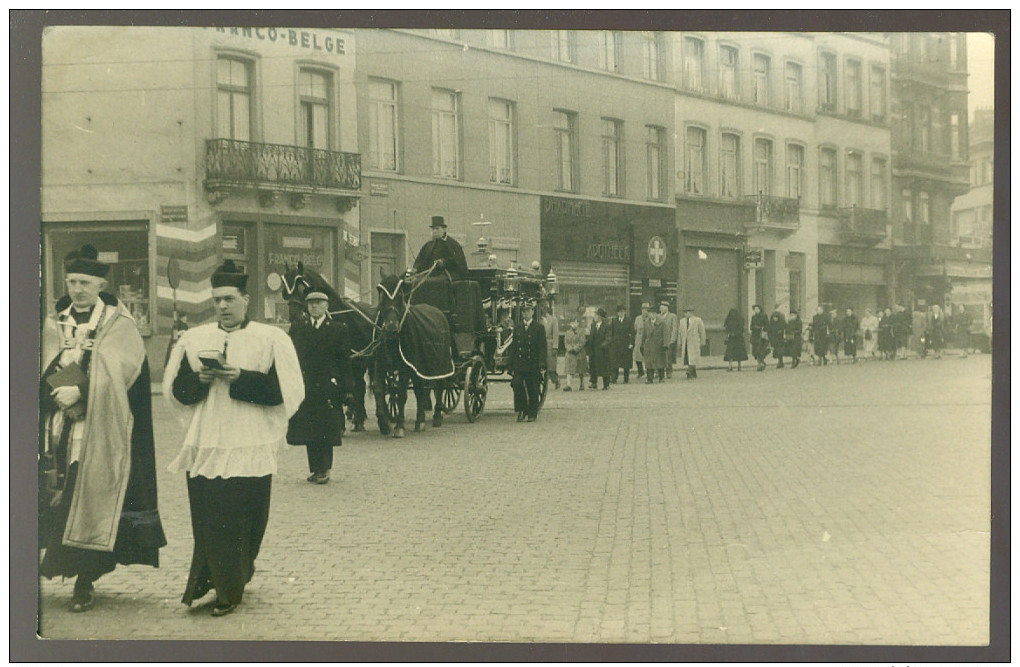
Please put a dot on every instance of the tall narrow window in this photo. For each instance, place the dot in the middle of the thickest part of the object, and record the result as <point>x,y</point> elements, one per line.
<point>954,136</point>
<point>501,143</point>
<point>794,170</point>
<point>728,67</point>
<point>854,179</point>
<point>923,209</point>
<point>315,92</point>
<point>499,39</point>
<point>694,162</point>
<point>853,88</point>
<point>729,166</point>
<point>610,48</point>
<point>566,142</point>
<point>654,139</point>
<point>827,178</point>
<point>924,129</point>
<point>763,167</point>
<point>827,82</point>
<point>694,63</point>
<point>233,99</point>
<point>760,79</point>
<point>445,149</point>
<point>794,76</point>
<point>382,125</point>
<point>879,178</point>
<point>612,157</point>
<point>564,46</point>
<point>877,101</point>
<point>907,205</point>
<point>650,55</point>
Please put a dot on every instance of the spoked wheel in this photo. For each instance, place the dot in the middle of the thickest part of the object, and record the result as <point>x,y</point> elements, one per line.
<point>392,384</point>
<point>476,389</point>
<point>543,389</point>
<point>450,397</point>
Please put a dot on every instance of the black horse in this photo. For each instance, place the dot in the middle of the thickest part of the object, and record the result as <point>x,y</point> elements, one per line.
<point>357,317</point>
<point>401,344</point>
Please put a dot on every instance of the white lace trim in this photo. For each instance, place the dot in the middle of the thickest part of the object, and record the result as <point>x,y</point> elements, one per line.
<point>210,462</point>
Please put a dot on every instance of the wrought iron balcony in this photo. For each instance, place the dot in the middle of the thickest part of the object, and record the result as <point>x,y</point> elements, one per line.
<point>862,225</point>
<point>777,213</point>
<point>231,164</point>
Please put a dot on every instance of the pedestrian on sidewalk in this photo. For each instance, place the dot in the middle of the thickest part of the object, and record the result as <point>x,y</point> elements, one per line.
<point>552,339</point>
<point>736,349</point>
<point>777,334</point>
<point>639,324</point>
<point>236,383</point>
<point>692,336</point>
<point>600,343</point>
<point>577,357</point>
<point>655,348</point>
<point>794,340</point>
<point>936,331</point>
<point>321,346</point>
<point>672,332</point>
<point>886,339</point>
<point>902,323</point>
<point>759,335</point>
<point>97,462</point>
<point>527,363</point>
<point>820,326</point>
<point>869,325</point>
<point>850,328</point>
<point>621,329</point>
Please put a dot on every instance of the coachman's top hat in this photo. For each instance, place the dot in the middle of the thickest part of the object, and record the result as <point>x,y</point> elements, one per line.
<point>85,260</point>
<point>437,221</point>
<point>230,275</point>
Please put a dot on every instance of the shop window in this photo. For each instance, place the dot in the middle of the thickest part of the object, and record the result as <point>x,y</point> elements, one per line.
<point>382,122</point>
<point>287,245</point>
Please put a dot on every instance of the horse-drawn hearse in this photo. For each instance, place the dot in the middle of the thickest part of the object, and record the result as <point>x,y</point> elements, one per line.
<point>445,337</point>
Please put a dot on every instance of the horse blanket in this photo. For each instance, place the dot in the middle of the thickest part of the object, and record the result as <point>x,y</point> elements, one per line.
<point>425,343</point>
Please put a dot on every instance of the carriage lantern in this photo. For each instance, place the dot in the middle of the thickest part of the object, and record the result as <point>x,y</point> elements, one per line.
<point>551,282</point>
<point>511,279</point>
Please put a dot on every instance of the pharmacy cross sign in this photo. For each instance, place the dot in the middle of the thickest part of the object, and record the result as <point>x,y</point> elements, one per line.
<point>656,251</point>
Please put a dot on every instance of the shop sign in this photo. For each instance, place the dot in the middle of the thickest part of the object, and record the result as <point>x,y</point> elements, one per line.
<point>654,282</point>
<point>608,251</point>
<point>173,213</point>
<point>657,251</point>
<point>310,40</point>
<point>754,259</point>
<point>379,189</point>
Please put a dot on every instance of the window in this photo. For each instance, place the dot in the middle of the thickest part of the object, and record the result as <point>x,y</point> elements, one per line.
<point>650,55</point>
<point>853,88</point>
<point>762,167</point>
<point>694,63</point>
<point>445,148</point>
<point>729,166</point>
<point>314,88</point>
<point>694,161</point>
<point>382,125</point>
<point>827,178</point>
<point>501,142</point>
<point>794,75</point>
<point>564,45</point>
<point>907,206</point>
<point>954,136</point>
<point>499,39</point>
<point>878,94</point>
<point>879,178</point>
<point>566,145</point>
<point>827,82</point>
<point>728,72</point>
<point>924,129</point>
<point>654,139</point>
<point>794,171</point>
<point>854,179</point>
<point>233,98</point>
<point>612,157</point>
<point>923,209</point>
<point>760,79</point>
<point>610,49</point>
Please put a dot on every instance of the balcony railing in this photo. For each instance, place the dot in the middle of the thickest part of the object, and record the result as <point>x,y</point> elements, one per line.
<point>779,213</point>
<point>863,225</point>
<point>231,163</point>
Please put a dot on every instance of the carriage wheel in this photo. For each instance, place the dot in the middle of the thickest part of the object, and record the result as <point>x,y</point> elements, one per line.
<point>476,389</point>
<point>392,383</point>
<point>450,397</point>
<point>543,389</point>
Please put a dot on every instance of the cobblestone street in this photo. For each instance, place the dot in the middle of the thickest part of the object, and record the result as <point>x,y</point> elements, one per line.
<point>834,505</point>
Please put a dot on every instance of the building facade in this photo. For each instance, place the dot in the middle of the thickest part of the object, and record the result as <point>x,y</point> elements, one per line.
<point>171,149</point>
<point>783,168</point>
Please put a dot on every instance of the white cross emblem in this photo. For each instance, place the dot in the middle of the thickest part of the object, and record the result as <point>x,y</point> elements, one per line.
<point>656,251</point>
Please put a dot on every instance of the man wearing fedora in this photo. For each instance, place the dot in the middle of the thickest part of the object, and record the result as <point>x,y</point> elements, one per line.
<point>321,348</point>
<point>98,503</point>
<point>442,249</point>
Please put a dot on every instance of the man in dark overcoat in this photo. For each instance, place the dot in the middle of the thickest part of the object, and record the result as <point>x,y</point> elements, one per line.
<point>794,338</point>
<point>621,329</point>
<point>600,343</point>
<point>321,347</point>
<point>528,358</point>
<point>444,249</point>
<point>820,332</point>
<point>759,336</point>
<point>777,334</point>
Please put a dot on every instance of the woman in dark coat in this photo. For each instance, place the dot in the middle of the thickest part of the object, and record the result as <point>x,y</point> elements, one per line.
<point>820,335</point>
<point>886,339</point>
<point>850,326</point>
<point>322,353</point>
<point>759,336</point>
<point>794,338</point>
<point>736,349</point>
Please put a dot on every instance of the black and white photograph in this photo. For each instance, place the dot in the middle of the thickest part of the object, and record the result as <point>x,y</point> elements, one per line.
<point>603,330</point>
